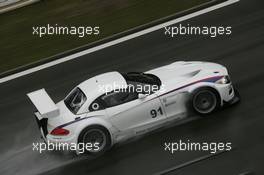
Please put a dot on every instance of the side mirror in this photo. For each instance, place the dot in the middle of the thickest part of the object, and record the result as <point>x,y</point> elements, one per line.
<point>141,96</point>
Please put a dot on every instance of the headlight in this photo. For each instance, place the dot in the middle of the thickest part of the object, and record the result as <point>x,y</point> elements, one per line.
<point>224,80</point>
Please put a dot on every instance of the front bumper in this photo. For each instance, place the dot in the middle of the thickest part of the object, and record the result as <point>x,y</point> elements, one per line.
<point>234,100</point>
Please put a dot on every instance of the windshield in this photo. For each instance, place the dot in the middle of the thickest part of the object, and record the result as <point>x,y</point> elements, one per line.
<point>75,100</point>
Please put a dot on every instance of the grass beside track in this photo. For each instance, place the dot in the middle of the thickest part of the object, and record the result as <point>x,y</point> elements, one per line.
<point>19,47</point>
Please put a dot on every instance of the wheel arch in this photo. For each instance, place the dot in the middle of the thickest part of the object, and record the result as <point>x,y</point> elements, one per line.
<point>200,86</point>
<point>96,122</point>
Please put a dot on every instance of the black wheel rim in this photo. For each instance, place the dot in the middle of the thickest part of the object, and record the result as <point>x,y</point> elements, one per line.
<point>205,101</point>
<point>95,136</point>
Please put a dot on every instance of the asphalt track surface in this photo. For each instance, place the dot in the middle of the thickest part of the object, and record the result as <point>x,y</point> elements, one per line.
<point>242,53</point>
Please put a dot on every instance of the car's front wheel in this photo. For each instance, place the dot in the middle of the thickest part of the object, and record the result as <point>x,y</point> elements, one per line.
<point>205,101</point>
<point>95,140</point>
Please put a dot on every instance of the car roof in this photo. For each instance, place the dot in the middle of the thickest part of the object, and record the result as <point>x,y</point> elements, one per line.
<point>101,84</point>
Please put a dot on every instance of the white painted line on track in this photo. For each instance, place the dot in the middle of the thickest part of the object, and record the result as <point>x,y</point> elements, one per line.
<point>117,41</point>
<point>189,163</point>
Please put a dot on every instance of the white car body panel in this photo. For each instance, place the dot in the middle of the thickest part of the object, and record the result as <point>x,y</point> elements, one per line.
<point>134,114</point>
<point>174,103</point>
<point>133,118</point>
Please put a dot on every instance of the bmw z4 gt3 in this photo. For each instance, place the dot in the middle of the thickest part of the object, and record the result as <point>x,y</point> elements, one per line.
<point>113,107</point>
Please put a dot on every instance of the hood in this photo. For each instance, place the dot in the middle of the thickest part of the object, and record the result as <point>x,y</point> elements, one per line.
<point>181,71</point>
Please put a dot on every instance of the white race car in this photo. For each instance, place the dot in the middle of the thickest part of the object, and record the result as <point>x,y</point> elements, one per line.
<point>112,107</point>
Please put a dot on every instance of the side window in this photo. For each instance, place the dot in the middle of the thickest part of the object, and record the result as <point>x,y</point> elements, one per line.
<point>117,98</point>
<point>97,105</point>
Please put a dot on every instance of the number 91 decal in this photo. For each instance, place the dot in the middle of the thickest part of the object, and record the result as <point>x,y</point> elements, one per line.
<point>154,113</point>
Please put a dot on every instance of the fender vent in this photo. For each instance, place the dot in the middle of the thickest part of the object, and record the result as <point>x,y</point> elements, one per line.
<point>192,74</point>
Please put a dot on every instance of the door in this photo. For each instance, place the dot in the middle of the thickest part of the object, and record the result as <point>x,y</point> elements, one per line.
<point>137,114</point>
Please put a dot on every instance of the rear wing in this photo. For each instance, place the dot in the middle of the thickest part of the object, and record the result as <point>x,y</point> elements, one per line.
<point>44,104</point>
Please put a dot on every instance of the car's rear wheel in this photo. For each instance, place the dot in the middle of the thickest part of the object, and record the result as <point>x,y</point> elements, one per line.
<point>205,101</point>
<point>98,137</point>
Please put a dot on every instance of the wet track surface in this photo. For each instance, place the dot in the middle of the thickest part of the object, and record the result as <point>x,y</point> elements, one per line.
<point>242,53</point>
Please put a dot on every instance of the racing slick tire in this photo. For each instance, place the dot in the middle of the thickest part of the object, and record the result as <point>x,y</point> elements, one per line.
<point>98,137</point>
<point>205,100</point>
